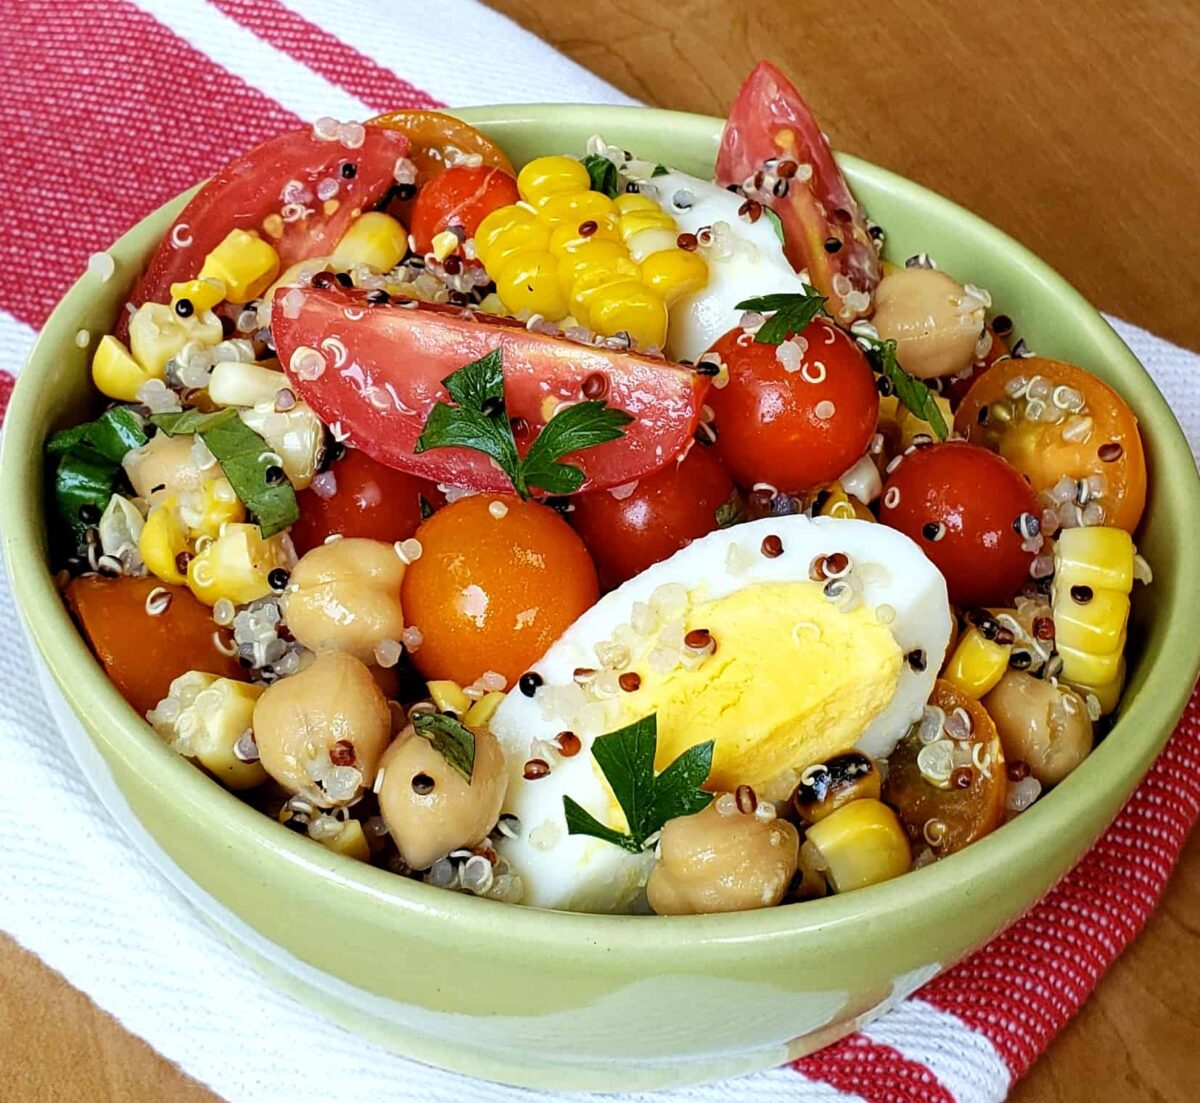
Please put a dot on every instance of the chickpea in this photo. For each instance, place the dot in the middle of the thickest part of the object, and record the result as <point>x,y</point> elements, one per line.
<point>1044,725</point>
<point>931,317</point>
<point>345,596</point>
<point>722,860</point>
<point>321,732</point>
<point>429,808</point>
<point>165,466</point>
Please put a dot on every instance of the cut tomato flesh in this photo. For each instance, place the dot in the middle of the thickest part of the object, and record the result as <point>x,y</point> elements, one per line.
<point>770,122</point>
<point>383,366</point>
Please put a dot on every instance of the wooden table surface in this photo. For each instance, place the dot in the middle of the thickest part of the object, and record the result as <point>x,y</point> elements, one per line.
<point>1073,127</point>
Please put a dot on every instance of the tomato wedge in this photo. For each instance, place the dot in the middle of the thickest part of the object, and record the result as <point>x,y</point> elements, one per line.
<point>298,191</point>
<point>437,140</point>
<point>384,364</point>
<point>770,122</point>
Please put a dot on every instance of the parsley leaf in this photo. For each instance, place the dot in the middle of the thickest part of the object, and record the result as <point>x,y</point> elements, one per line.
<point>791,314</point>
<point>776,224</point>
<point>626,758</point>
<point>451,738</point>
<point>911,392</point>
<point>603,174</point>
<point>580,426</point>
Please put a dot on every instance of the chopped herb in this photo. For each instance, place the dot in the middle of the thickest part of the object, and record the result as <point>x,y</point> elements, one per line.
<point>245,458</point>
<point>451,738</point>
<point>660,170</point>
<point>729,512</point>
<point>911,392</point>
<point>108,438</point>
<point>478,421</point>
<point>790,314</point>
<point>776,224</point>
<point>626,758</point>
<point>603,175</point>
<point>78,483</point>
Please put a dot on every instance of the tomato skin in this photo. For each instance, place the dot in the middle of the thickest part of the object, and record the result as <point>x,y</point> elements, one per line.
<point>975,497</point>
<point>768,428</point>
<point>666,512</point>
<point>460,196</point>
<point>412,349</point>
<point>372,501</point>
<point>769,119</point>
<point>249,189</point>
<point>1039,450</point>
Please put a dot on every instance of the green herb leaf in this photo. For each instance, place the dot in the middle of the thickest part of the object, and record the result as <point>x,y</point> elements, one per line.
<point>729,512</point>
<point>776,224</point>
<point>603,174</point>
<point>451,738</point>
<point>626,758</point>
<point>108,438</point>
<point>911,392</point>
<point>660,170</point>
<point>580,426</point>
<point>474,383</point>
<point>78,482</point>
<point>790,313</point>
<point>184,422</point>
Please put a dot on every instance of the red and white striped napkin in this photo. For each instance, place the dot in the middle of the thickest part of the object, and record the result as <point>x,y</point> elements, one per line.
<point>110,107</point>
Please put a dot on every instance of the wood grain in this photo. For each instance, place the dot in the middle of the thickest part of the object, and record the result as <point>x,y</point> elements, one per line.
<point>1072,126</point>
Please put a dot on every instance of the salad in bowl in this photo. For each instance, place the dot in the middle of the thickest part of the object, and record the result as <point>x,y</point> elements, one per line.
<point>595,536</point>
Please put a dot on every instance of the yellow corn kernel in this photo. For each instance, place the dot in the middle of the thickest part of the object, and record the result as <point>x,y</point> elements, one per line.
<point>295,274</point>
<point>576,208</point>
<point>1107,694</point>
<point>629,202</point>
<point>157,334</point>
<point>444,244</point>
<point>859,844</point>
<point>672,274</point>
<point>566,240</point>
<point>596,274</point>
<point>223,714</point>
<point>653,239</point>
<point>115,372</point>
<point>529,283</point>
<point>244,263</point>
<point>350,842</point>
<point>912,426</point>
<point>840,504</point>
<point>163,539</point>
<point>547,176</point>
<point>480,714</point>
<point>1096,625</point>
<point>208,507</point>
<point>515,240</point>
<point>603,254</point>
<point>449,697</point>
<point>977,663</point>
<point>375,239</point>
<point>495,225</point>
<point>629,307</point>
<point>1087,667</point>
<point>638,221</point>
<point>236,565</point>
<point>202,294</point>
<point>1096,556</point>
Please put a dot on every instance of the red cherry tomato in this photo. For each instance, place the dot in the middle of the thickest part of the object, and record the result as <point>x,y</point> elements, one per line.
<point>797,430</point>
<point>370,500</point>
<point>664,513</point>
<point>460,196</point>
<point>961,504</point>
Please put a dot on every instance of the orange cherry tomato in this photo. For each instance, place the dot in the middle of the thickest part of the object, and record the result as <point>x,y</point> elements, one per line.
<point>460,196</point>
<point>1095,438</point>
<point>143,654</point>
<point>436,138</point>
<point>498,581</point>
<point>973,801</point>
<point>956,387</point>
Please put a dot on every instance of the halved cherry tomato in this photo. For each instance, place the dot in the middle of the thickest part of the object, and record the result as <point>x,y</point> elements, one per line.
<point>143,654</point>
<point>974,800</point>
<point>629,529</point>
<point>1099,439</point>
<point>460,196</point>
<point>272,190</point>
<point>370,500</point>
<point>797,430</point>
<point>961,504</point>
<point>769,121</point>
<point>436,140</point>
<point>385,362</point>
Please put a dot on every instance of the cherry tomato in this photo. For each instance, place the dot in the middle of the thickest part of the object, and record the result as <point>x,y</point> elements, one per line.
<point>961,504</point>
<point>1098,440</point>
<point>251,193</point>
<point>955,387</point>
<point>770,121</point>
<point>371,500</point>
<point>796,430</point>
<point>143,654</point>
<point>460,196</point>
<point>973,801</point>
<point>436,138</point>
<point>399,355</point>
<point>498,581</point>
<point>627,532</point>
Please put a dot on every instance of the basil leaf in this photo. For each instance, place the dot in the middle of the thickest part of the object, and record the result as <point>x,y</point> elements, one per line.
<point>581,822</point>
<point>108,438</point>
<point>792,314</point>
<point>79,482</point>
<point>911,392</point>
<point>185,421</point>
<point>603,174</point>
<point>580,426</point>
<point>776,224</point>
<point>451,738</point>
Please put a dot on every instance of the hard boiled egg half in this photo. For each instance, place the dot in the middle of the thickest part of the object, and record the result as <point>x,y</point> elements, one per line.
<point>785,641</point>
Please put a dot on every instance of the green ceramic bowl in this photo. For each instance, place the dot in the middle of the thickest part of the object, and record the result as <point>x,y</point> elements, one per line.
<point>575,1001</point>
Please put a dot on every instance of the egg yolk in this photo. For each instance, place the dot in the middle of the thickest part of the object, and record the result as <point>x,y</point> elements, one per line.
<point>498,581</point>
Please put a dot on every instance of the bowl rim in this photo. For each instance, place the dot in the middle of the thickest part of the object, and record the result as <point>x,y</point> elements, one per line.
<point>1166,688</point>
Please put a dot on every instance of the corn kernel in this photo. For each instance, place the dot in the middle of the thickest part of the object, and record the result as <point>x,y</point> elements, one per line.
<point>115,372</point>
<point>480,714</point>
<point>629,202</point>
<point>495,225</point>
<point>295,274</point>
<point>629,307</point>
<point>204,510</point>
<point>236,565</point>
<point>444,244</point>
<point>859,844</point>
<point>654,239</point>
<point>604,255</point>
<point>236,383</point>
<point>1096,556</point>
<point>912,426</point>
<point>517,239</point>
<point>375,239</point>
<point>157,334</point>
<point>1107,694</point>
<point>224,713</point>
<point>449,697</point>
<point>673,273</point>
<point>529,283</point>
<point>638,221</point>
<point>599,273</point>
<point>350,842</point>
<point>163,539</point>
<point>297,437</point>
<point>1097,625</point>
<point>546,176</point>
<point>244,263</point>
<point>566,240</point>
<point>202,294</point>
<point>575,208</point>
<point>839,504</point>
<point>977,663</point>
<point>1087,667</point>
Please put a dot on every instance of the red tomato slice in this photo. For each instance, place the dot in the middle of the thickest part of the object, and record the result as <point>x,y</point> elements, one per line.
<point>274,191</point>
<point>770,121</point>
<point>385,362</point>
